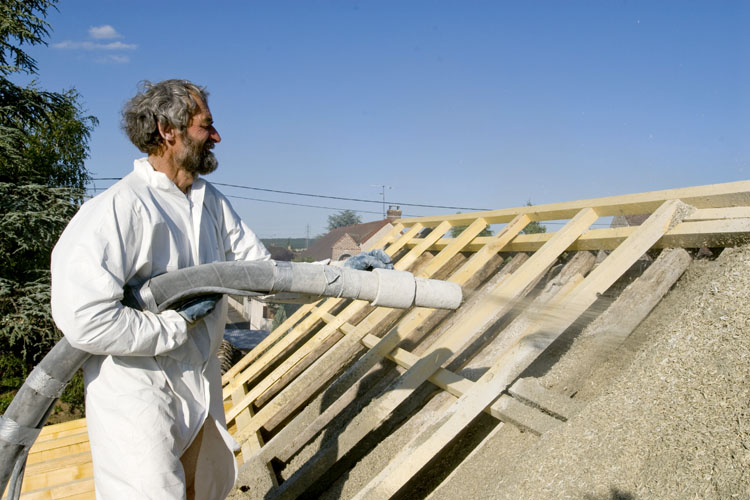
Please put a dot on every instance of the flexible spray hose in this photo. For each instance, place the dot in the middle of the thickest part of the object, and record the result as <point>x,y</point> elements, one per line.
<point>28,412</point>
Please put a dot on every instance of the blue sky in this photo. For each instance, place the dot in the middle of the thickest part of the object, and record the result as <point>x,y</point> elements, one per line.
<point>473,104</point>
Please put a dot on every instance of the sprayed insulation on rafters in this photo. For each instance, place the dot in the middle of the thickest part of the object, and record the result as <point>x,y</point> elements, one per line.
<point>303,380</point>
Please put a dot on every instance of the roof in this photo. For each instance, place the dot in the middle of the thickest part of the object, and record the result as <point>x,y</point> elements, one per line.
<point>360,233</point>
<point>322,410</point>
<point>280,253</point>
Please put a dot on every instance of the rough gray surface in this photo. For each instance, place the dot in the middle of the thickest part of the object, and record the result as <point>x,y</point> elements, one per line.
<point>668,418</point>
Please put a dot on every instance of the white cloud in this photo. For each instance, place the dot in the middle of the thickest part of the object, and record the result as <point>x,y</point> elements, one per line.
<point>103,32</point>
<point>70,45</point>
<point>112,59</point>
<point>101,42</point>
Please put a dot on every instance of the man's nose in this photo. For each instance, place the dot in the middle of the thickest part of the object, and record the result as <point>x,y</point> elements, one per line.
<point>215,137</point>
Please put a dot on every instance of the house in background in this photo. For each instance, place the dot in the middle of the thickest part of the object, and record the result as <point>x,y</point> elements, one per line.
<point>346,241</point>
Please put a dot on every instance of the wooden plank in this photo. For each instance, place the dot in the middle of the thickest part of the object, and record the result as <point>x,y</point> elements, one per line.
<point>490,248</point>
<point>63,434</point>
<point>291,438</point>
<point>83,488</point>
<point>50,465</point>
<point>607,332</point>
<point>302,329</point>
<point>719,213</point>
<point>731,194</point>
<point>51,454</point>
<point>349,347</point>
<point>52,478</point>
<point>56,430</point>
<point>710,233</point>
<point>322,370</point>
<point>359,377</point>
<point>62,442</point>
<point>569,277</point>
<point>295,371</point>
<point>487,311</point>
<point>301,385</point>
<point>689,234</point>
<point>254,441</point>
<point>531,391</point>
<point>228,378</point>
<point>427,444</point>
<point>512,411</point>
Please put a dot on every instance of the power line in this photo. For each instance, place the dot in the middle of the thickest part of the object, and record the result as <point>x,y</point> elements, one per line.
<point>331,197</point>
<point>345,199</point>
<point>309,206</point>
<point>239,186</point>
<point>289,203</point>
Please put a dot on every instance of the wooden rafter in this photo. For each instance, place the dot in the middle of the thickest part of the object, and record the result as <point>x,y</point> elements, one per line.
<point>309,373</point>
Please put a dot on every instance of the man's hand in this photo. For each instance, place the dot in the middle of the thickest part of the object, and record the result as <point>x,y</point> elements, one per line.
<point>367,261</point>
<point>198,308</point>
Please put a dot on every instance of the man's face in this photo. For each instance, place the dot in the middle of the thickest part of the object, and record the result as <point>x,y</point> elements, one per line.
<point>198,140</point>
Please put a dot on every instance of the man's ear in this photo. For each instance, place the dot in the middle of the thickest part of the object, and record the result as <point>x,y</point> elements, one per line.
<point>166,133</point>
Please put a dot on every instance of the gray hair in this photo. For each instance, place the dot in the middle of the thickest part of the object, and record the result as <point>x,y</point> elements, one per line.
<point>170,103</point>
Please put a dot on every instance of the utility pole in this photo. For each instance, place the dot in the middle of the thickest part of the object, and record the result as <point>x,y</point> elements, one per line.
<point>307,238</point>
<point>382,193</point>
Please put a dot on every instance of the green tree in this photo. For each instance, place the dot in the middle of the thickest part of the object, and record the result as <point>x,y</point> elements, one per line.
<point>43,144</point>
<point>456,230</point>
<point>533,227</point>
<point>279,316</point>
<point>343,218</point>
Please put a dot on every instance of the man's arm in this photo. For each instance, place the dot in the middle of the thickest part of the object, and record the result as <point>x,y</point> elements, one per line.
<point>91,263</point>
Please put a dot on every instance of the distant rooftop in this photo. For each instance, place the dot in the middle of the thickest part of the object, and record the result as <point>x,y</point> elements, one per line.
<point>360,233</point>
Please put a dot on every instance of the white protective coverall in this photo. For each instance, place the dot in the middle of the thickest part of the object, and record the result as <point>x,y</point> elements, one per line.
<point>153,381</point>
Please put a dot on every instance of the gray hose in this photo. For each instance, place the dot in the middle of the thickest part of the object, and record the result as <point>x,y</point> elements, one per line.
<point>28,411</point>
<point>381,287</point>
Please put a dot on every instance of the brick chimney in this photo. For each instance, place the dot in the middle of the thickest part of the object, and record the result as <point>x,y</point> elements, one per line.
<point>394,212</point>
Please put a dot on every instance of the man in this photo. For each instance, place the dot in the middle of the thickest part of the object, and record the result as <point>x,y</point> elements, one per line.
<point>153,390</point>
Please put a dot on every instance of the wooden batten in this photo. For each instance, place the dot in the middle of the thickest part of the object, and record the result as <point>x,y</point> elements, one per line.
<point>302,391</point>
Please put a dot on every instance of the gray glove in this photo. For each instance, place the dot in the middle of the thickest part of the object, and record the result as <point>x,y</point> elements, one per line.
<point>198,308</point>
<point>367,261</point>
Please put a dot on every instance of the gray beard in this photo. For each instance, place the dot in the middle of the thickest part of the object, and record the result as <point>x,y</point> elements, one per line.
<point>197,160</point>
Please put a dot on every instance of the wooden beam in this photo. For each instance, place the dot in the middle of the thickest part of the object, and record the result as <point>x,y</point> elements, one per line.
<point>487,311</point>
<point>719,213</point>
<point>65,474</point>
<point>295,435</point>
<point>55,430</point>
<point>688,234</point>
<point>74,490</point>
<point>732,194</point>
<point>301,385</point>
<point>570,276</point>
<point>348,350</point>
<point>254,441</point>
<point>279,349</point>
<point>607,332</point>
<point>427,444</point>
<point>513,411</point>
<point>531,391</point>
<point>61,451</point>
<point>230,377</point>
<point>360,377</point>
